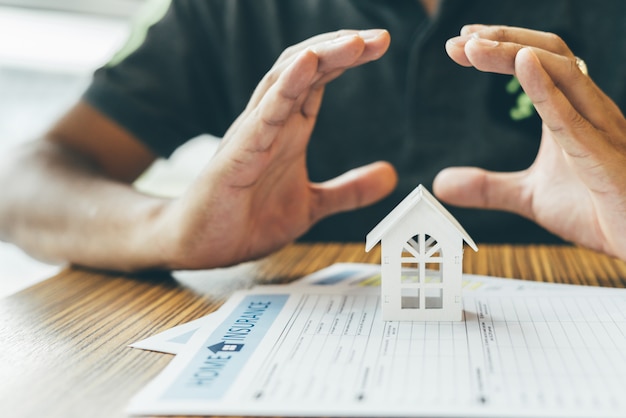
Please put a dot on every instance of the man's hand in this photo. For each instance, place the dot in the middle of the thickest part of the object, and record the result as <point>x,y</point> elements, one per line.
<point>576,188</point>
<point>75,203</point>
<point>255,196</point>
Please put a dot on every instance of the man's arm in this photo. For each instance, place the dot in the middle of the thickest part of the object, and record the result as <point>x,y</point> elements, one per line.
<point>73,201</point>
<point>68,196</point>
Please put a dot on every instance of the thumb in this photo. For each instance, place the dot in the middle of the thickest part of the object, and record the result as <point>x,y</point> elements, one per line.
<point>478,188</point>
<point>354,189</point>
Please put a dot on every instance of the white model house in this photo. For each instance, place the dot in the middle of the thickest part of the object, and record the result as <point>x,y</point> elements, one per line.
<point>421,260</point>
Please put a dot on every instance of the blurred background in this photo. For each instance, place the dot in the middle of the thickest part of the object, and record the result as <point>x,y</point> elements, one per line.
<point>117,8</point>
<point>48,52</point>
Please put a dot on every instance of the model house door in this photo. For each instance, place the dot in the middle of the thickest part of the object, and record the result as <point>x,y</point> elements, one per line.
<point>421,283</point>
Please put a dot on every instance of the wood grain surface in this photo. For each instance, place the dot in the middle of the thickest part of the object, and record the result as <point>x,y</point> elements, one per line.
<point>63,342</point>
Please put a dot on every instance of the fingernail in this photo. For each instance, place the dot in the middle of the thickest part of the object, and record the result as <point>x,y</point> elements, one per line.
<point>468,29</point>
<point>457,41</point>
<point>370,33</point>
<point>483,41</point>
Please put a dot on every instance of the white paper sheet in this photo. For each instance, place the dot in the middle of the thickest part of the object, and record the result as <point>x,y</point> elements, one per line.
<point>324,350</point>
<point>174,339</point>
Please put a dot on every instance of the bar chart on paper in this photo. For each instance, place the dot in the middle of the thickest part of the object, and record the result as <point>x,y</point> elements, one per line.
<point>327,352</point>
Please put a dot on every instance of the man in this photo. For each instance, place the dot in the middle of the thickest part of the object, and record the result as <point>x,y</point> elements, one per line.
<point>287,161</point>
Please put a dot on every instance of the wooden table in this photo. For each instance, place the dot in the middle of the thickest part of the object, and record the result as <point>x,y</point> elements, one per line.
<point>63,342</point>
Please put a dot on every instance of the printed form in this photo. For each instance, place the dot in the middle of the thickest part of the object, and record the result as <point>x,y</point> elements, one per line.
<point>173,340</point>
<point>314,350</point>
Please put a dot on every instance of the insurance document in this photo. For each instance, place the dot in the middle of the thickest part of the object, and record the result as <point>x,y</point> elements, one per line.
<point>324,350</point>
<point>173,340</point>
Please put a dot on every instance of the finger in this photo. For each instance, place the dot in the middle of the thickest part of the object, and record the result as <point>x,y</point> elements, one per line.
<point>338,54</point>
<point>303,78</point>
<point>376,42</point>
<point>337,51</point>
<point>282,92</point>
<point>306,74</point>
<point>478,188</point>
<point>281,101</point>
<point>313,101</point>
<point>329,52</point>
<point>500,57</point>
<point>260,126</point>
<point>456,47</point>
<point>585,97</point>
<point>492,56</point>
<point>538,39</point>
<point>282,98</point>
<point>572,131</point>
<point>484,54</point>
<point>312,42</point>
<point>353,189</point>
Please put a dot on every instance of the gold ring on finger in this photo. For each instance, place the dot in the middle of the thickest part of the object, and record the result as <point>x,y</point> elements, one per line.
<point>582,65</point>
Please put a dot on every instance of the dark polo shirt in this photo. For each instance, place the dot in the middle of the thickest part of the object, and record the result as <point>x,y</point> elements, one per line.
<point>414,107</point>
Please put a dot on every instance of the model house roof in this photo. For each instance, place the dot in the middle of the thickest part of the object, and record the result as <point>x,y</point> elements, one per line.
<point>419,196</point>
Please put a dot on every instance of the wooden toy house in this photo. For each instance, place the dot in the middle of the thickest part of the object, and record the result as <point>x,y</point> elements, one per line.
<point>421,260</point>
